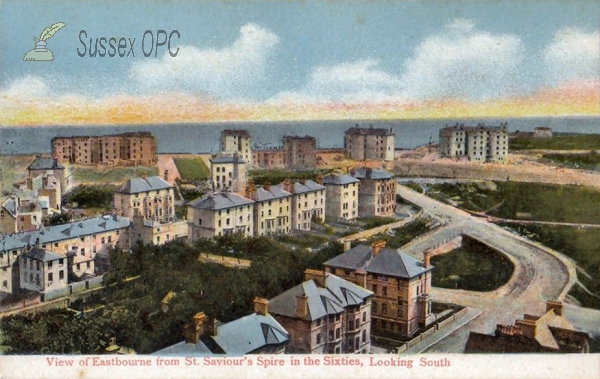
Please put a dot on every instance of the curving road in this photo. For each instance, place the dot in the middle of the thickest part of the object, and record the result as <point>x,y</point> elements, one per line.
<point>540,273</point>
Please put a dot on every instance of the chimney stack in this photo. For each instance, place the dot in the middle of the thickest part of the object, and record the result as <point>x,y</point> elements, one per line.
<point>320,277</point>
<point>267,186</point>
<point>377,246</point>
<point>320,179</point>
<point>427,258</point>
<point>38,243</point>
<point>301,306</point>
<point>288,185</point>
<point>166,175</point>
<point>529,327</point>
<point>194,330</point>
<point>261,306</point>
<point>251,190</point>
<point>556,306</point>
<point>145,176</point>
<point>347,245</point>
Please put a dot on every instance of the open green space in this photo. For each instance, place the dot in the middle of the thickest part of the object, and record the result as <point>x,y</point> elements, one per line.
<point>514,200</point>
<point>83,174</point>
<point>559,141</point>
<point>134,312</point>
<point>371,222</point>
<point>480,269</point>
<point>582,245</point>
<point>589,161</point>
<point>401,236</point>
<point>261,177</point>
<point>192,169</point>
<point>97,197</point>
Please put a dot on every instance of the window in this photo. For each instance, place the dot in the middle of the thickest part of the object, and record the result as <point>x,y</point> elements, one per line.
<point>50,264</point>
<point>319,338</point>
<point>337,333</point>
<point>82,251</point>
<point>364,316</point>
<point>318,322</point>
<point>50,277</point>
<point>331,335</point>
<point>384,291</point>
<point>337,317</point>
<point>364,336</point>
<point>375,289</point>
<point>374,307</point>
<point>384,308</point>
<point>61,275</point>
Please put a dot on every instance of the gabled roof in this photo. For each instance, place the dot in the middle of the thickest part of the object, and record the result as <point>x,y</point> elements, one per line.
<point>339,180</point>
<point>250,333</point>
<point>185,349</point>
<point>137,185</point>
<point>331,299</point>
<point>372,173</point>
<point>219,200</point>
<point>388,262</point>
<point>274,192</point>
<point>369,131</point>
<point>61,232</point>
<point>46,163</point>
<point>42,255</point>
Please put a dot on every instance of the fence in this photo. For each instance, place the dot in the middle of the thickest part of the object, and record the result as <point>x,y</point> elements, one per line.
<point>381,229</point>
<point>61,303</point>
<point>74,288</point>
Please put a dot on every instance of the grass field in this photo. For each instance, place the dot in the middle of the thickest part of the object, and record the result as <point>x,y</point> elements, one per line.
<point>84,174</point>
<point>559,141</point>
<point>466,269</point>
<point>536,201</point>
<point>261,177</point>
<point>192,169</point>
<point>404,235</point>
<point>590,161</point>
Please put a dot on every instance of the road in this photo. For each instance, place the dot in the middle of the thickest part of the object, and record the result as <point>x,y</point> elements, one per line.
<point>540,273</point>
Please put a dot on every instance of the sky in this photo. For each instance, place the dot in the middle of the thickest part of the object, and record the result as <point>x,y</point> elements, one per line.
<point>289,60</point>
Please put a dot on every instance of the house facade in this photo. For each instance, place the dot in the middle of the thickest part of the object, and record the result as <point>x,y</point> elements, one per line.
<point>153,198</point>
<point>479,144</point>
<point>42,270</point>
<point>369,144</point>
<point>401,285</point>
<point>218,214</point>
<point>308,202</point>
<point>342,196</point>
<point>377,192</point>
<point>237,141</point>
<point>272,209</point>
<point>325,315</point>
<point>228,173</point>
<point>299,152</point>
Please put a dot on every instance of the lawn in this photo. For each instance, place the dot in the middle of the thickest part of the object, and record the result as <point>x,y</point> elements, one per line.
<point>590,161</point>
<point>467,269</point>
<point>404,235</point>
<point>512,200</point>
<point>261,177</point>
<point>583,245</point>
<point>559,141</point>
<point>192,169</point>
<point>85,174</point>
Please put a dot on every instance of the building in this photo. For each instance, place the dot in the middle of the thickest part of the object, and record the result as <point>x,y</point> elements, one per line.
<point>156,232</point>
<point>272,209</point>
<point>237,141</point>
<point>299,152</point>
<point>376,192</point>
<point>479,144</point>
<point>268,158</point>
<point>342,196</point>
<point>258,333</point>
<point>42,270</point>
<point>542,132</point>
<point>308,202</point>
<point>369,143</point>
<point>80,240</point>
<point>125,149</point>
<point>153,198</point>
<point>325,315</point>
<point>218,214</point>
<point>401,285</point>
<point>228,173</point>
<point>23,213</point>
<point>549,333</point>
<point>44,166</point>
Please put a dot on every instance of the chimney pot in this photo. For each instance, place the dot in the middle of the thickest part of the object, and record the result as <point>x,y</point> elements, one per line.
<point>556,306</point>
<point>301,306</point>
<point>427,258</point>
<point>261,306</point>
<point>320,277</point>
<point>377,246</point>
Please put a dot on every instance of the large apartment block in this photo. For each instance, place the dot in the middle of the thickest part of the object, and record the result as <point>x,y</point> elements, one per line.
<point>480,143</point>
<point>342,196</point>
<point>272,209</point>
<point>153,198</point>
<point>237,141</point>
<point>228,173</point>
<point>369,144</point>
<point>377,192</point>
<point>126,149</point>
<point>401,285</point>
<point>325,315</point>
<point>299,152</point>
<point>308,202</point>
<point>218,214</point>
<point>268,158</point>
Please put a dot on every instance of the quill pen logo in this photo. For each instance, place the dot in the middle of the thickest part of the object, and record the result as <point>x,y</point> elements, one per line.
<point>40,52</point>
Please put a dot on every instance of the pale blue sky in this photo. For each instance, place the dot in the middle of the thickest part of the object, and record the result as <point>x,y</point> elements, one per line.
<point>309,34</point>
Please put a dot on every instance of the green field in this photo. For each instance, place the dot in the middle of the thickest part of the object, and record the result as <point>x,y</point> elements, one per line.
<point>404,235</point>
<point>261,177</point>
<point>111,175</point>
<point>559,141</point>
<point>583,245</point>
<point>192,169</point>
<point>512,200</point>
<point>467,269</point>
<point>590,161</point>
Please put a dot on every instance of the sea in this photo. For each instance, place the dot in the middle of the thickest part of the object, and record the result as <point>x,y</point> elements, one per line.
<point>197,138</point>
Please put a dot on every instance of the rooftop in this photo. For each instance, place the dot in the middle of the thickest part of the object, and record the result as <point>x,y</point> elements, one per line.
<point>371,131</point>
<point>299,138</point>
<point>330,299</point>
<point>372,173</point>
<point>137,185</point>
<point>339,180</point>
<point>236,132</point>
<point>304,186</point>
<point>219,200</point>
<point>227,159</point>
<point>273,192</point>
<point>46,163</point>
<point>390,262</point>
<point>42,255</point>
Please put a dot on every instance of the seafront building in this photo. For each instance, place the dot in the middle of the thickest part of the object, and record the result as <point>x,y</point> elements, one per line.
<point>479,144</point>
<point>369,144</point>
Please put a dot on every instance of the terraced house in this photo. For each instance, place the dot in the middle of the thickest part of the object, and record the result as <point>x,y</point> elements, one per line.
<point>308,202</point>
<point>237,141</point>
<point>377,192</point>
<point>218,214</point>
<point>325,315</point>
<point>342,196</point>
<point>153,198</point>
<point>272,209</point>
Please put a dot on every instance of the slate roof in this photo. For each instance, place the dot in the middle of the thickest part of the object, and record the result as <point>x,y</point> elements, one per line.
<point>250,333</point>
<point>339,180</point>
<point>61,232</point>
<point>274,192</point>
<point>227,159</point>
<point>372,173</point>
<point>236,132</point>
<point>185,349</point>
<point>219,200</point>
<point>308,186</point>
<point>137,185</point>
<point>369,131</point>
<point>329,300</point>
<point>42,255</point>
<point>46,163</point>
<point>388,262</point>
